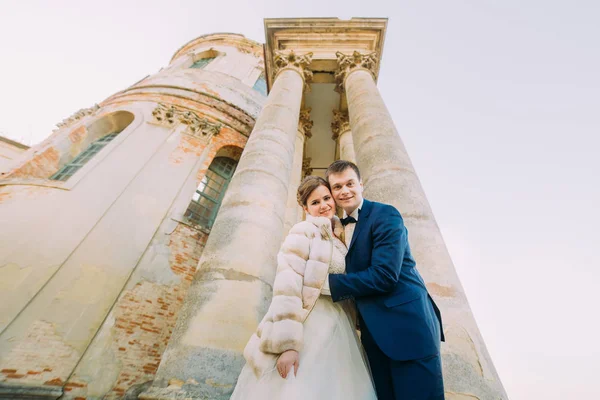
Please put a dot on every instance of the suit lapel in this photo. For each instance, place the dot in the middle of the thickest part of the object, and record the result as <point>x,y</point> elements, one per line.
<point>362,221</point>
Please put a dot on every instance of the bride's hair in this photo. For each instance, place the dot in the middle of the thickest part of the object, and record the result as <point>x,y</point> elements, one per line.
<point>307,186</point>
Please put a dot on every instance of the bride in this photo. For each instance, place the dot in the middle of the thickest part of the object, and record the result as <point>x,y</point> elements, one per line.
<point>306,345</point>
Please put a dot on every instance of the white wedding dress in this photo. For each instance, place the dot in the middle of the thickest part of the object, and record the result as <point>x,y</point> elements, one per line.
<point>332,363</point>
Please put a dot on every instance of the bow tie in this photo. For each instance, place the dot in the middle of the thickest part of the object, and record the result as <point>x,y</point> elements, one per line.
<point>348,220</point>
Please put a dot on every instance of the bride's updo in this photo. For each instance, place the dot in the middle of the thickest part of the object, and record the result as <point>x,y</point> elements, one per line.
<point>307,186</point>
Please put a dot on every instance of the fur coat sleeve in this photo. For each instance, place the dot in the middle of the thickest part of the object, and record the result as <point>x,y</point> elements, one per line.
<point>302,268</point>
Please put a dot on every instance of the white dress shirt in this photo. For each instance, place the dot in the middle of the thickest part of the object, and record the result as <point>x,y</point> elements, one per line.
<point>349,229</point>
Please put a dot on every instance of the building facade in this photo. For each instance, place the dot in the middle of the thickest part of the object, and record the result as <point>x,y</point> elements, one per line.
<point>141,237</point>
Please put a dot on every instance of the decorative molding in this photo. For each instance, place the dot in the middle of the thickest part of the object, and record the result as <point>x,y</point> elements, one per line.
<point>305,124</point>
<point>340,124</point>
<point>291,60</point>
<point>84,112</point>
<point>200,127</point>
<point>165,115</point>
<point>232,115</point>
<point>306,168</point>
<point>356,61</point>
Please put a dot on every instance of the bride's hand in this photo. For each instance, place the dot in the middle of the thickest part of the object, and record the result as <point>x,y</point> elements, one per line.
<point>286,361</point>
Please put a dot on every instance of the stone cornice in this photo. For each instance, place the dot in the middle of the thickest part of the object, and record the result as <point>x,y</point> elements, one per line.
<point>199,127</point>
<point>220,39</point>
<point>305,124</point>
<point>217,109</point>
<point>290,60</point>
<point>14,143</point>
<point>84,112</point>
<point>354,62</point>
<point>340,124</point>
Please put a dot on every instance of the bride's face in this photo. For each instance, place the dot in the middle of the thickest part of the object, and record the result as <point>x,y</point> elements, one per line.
<point>320,203</point>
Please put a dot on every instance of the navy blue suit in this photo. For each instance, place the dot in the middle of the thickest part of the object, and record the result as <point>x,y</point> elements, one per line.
<point>400,323</point>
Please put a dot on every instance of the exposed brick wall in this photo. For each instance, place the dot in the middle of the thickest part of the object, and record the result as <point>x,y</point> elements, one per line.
<point>47,161</point>
<point>187,144</point>
<point>144,318</point>
<point>186,245</point>
<point>41,165</point>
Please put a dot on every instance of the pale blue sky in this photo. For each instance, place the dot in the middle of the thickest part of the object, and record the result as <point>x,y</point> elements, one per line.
<point>498,103</point>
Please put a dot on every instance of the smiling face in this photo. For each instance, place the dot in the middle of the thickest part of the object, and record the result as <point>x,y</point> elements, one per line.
<point>320,203</point>
<point>347,189</point>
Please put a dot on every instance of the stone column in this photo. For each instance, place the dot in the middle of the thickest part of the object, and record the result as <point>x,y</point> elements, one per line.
<point>389,177</point>
<point>233,284</point>
<point>293,213</point>
<point>343,135</point>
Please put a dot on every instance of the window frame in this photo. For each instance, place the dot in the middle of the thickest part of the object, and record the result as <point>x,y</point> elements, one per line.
<point>71,168</point>
<point>192,214</point>
<point>261,78</point>
<point>204,65</point>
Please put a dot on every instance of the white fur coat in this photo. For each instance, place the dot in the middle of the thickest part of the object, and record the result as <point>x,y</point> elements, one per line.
<point>302,268</point>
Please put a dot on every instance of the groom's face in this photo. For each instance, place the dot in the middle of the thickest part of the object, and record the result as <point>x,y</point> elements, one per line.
<point>346,189</point>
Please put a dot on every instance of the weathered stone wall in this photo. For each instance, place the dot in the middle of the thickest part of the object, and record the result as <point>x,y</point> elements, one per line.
<point>93,277</point>
<point>132,339</point>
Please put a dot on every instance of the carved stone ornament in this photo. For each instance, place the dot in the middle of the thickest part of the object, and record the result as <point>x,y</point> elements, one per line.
<point>164,114</point>
<point>340,124</point>
<point>196,126</point>
<point>84,112</point>
<point>348,63</point>
<point>306,169</point>
<point>289,59</point>
<point>305,124</point>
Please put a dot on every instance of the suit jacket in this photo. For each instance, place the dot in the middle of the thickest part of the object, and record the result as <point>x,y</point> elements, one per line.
<point>390,295</point>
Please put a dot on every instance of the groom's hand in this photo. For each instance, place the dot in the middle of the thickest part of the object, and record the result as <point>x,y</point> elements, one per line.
<point>286,361</point>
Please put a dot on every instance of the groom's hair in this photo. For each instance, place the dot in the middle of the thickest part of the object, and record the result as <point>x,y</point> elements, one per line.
<point>340,166</point>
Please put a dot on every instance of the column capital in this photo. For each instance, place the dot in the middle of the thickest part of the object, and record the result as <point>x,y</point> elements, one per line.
<point>340,124</point>
<point>290,60</point>
<point>305,124</point>
<point>199,127</point>
<point>353,62</point>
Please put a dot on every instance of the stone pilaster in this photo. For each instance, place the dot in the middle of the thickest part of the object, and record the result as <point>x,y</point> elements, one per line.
<point>232,287</point>
<point>343,135</point>
<point>389,177</point>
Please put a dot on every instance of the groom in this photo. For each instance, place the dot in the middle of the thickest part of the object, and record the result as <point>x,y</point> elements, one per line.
<point>400,324</point>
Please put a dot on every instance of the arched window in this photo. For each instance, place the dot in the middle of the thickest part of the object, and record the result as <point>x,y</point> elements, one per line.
<point>204,58</point>
<point>206,201</point>
<point>261,85</point>
<point>69,169</point>
<point>98,134</point>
